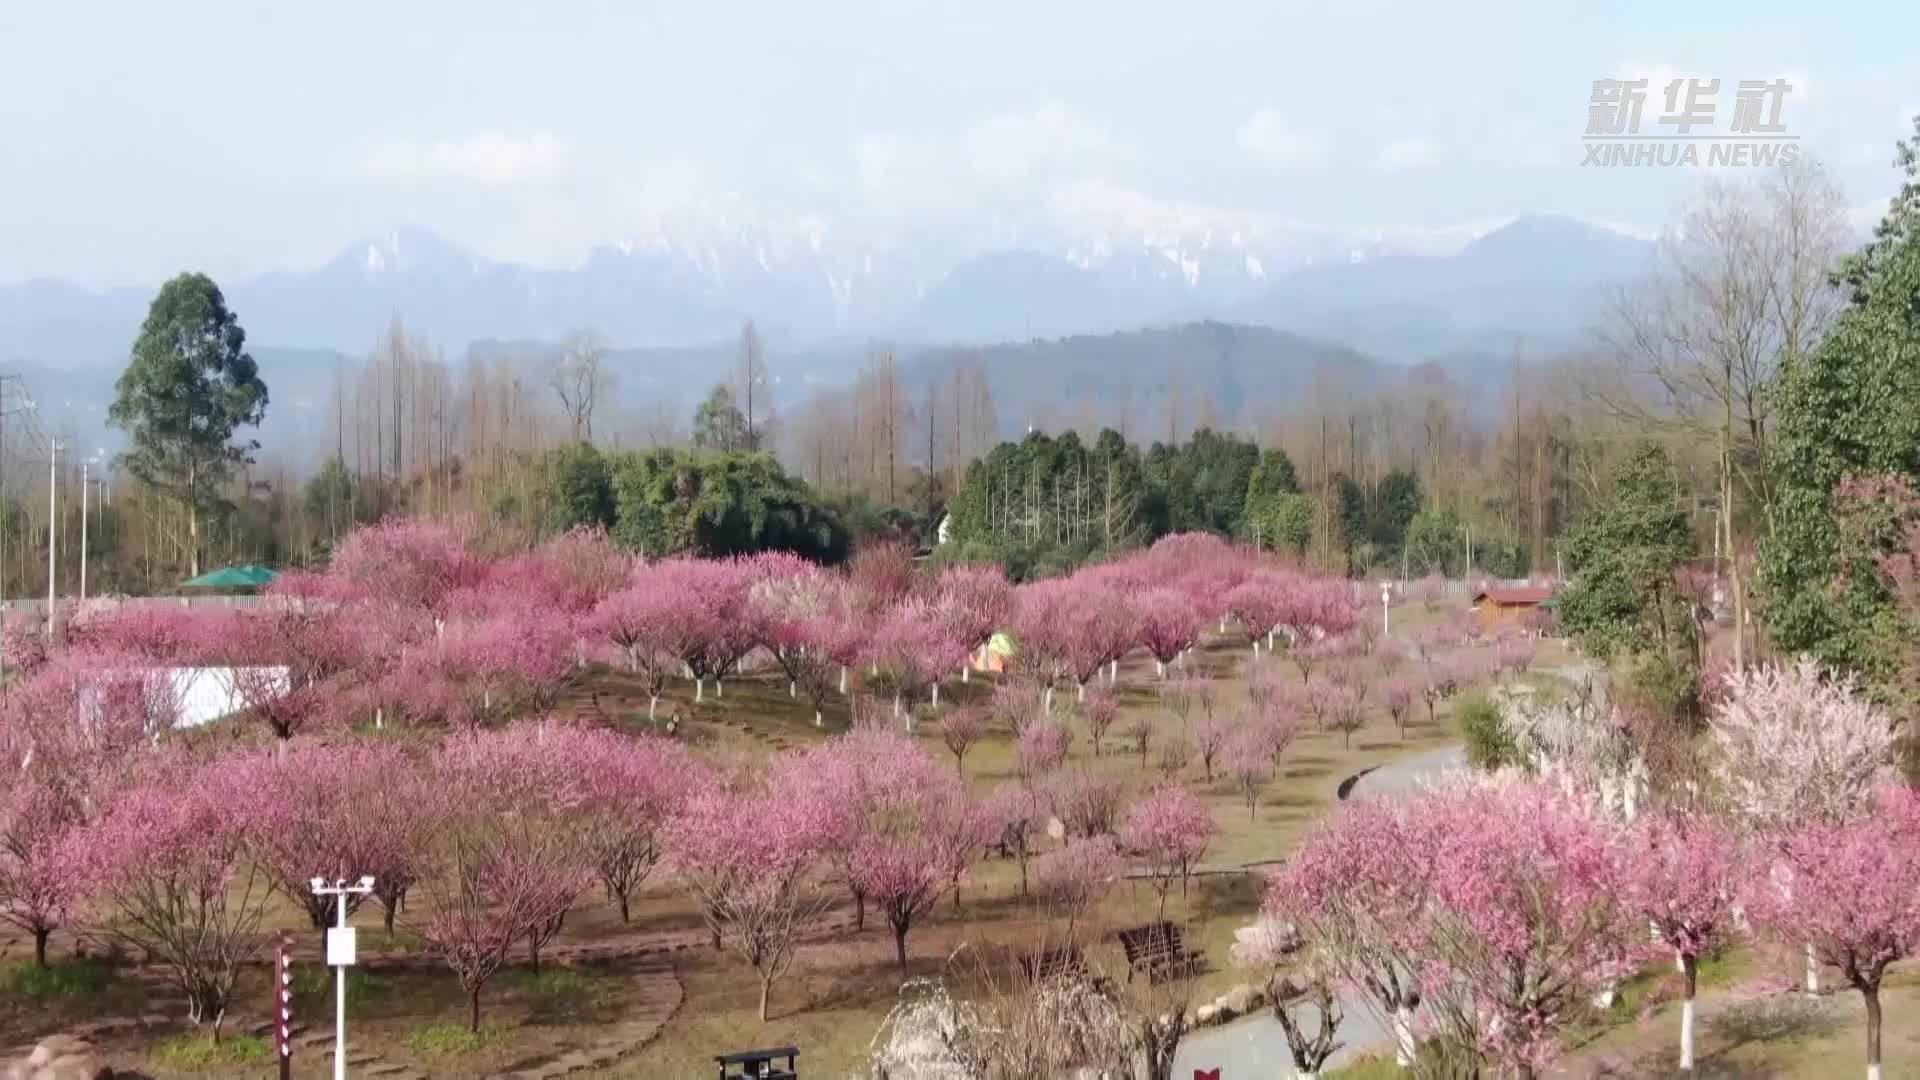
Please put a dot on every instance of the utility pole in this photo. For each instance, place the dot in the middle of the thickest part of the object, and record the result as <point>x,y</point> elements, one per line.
<point>53,525</point>
<point>83,529</point>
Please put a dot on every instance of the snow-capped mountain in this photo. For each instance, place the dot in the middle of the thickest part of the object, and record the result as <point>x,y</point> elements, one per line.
<point>695,279</point>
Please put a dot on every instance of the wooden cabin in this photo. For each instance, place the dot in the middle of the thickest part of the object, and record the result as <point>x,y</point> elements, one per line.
<point>1498,606</point>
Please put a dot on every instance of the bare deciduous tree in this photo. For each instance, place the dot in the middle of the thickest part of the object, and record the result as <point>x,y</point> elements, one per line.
<point>579,378</point>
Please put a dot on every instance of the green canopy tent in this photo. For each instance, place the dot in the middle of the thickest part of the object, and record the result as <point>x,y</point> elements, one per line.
<point>232,577</point>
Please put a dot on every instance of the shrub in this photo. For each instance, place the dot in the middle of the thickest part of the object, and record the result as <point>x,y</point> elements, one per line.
<point>59,979</point>
<point>1489,745</point>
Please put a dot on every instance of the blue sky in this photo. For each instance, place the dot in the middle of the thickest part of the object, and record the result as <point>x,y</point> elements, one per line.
<point>137,139</point>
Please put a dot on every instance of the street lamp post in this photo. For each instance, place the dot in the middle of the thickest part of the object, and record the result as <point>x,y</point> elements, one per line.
<point>340,956</point>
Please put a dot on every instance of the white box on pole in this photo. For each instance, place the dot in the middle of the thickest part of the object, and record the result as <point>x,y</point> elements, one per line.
<point>340,946</point>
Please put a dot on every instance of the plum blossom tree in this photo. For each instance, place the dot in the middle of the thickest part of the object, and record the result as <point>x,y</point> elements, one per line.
<point>751,857</point>
<point>959,730</point>
<point>1170,624</point>
<point>407,562</point>
<point>1209,737</point>
<point>1139,732</point>
<point>167,867</point>
<point>1356,892</point>
<point>1338,708</point>
<point>1250,763</point>
<point>1044,626</point>
<point>1019,817</point>
<point>645,626</point>
<point>1015,703</point>
<point>913,649</point>
<point>913,843</point>
<point>631,789</point>
<point>1100,708</point>
<point>1087,804</point>
<point>1398,695</point>
<point>715,629</point>
<point>974,602</point>
<point>1527,917</point>
<point>1043,749</point>
<point>1074,877</point>
<point>507,857</point>
<point>313,812</point>
<point>1169,830</point>
<point>1685,876</point>
<point>1797,746</point>
<point>1850,888</point>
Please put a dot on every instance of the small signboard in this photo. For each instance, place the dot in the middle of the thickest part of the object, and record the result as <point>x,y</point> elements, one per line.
<point>340,946</point>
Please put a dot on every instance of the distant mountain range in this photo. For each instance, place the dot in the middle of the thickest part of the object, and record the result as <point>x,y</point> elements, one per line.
<point>1537,276</point>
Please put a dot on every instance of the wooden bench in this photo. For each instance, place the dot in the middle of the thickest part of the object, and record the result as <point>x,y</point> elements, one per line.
<point>1157,949</point>
<point>1054,964</point>
<point>759,1064</point>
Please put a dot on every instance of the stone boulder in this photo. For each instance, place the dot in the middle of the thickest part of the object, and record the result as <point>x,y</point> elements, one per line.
<point>59,1057</point>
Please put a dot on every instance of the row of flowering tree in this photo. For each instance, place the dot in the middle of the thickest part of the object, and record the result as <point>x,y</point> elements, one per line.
<point>1489,912</point>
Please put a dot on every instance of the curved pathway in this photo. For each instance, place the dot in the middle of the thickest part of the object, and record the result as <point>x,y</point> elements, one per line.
<point>1255,1046</point>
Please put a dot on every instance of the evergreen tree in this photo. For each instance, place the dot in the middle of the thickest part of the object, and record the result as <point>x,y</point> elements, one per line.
<point>1851,407</point>
<point>189,385</point>
<point>1622,556</point>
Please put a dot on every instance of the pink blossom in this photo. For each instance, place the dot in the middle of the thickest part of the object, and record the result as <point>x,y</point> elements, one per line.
<point>1169,830</point>
<point>1043,748</point>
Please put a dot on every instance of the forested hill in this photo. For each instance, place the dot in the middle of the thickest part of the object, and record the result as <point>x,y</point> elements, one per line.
<point>1195,374</point>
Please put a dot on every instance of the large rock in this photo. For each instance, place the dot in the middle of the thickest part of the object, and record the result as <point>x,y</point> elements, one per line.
<point>60,1057</point>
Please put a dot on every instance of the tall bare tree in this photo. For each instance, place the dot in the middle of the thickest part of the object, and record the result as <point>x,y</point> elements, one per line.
<point>1737,290</point>
<point>579,378</point>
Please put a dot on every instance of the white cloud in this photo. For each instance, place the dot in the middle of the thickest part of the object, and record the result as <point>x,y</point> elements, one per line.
<point>1267,136</point>
<point>1016,145</point>
<point>488,158</point>
<point>1409,153</point>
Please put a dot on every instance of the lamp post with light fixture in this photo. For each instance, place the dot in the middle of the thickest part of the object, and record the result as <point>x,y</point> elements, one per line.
<point>340,956</point>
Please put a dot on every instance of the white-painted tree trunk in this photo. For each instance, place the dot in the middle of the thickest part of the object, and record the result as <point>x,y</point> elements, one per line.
<point>966,674</point>
<point>1604,999</point>
<point>791,690</point>
<point>1686,1034</point>
<point>1159,670</point>
<point>1873,1071</point>
<point>1813,973</point>
<point>1679,962</point>
<point>896,704</point>
<point>818,721</point>
<point>699,691</point>
<point>1080,692</point>
<point>843,678</point>
<point>719,687</point>
<point>936,695</point>
<point>1404,1046</point>
<point>653,705</point>
<point>1046,701</point>
<point>1113,672</point>
<point>1269,640</point>
<point>379,718</point>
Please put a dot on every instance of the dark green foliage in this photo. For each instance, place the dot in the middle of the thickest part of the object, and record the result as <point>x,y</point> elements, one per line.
<point>188,386</point>
<point>672,502</point>
<point>1852,407</point>
<point>1396,502</point>
<point>1622,556</point>
<point>1203,484</point>
<point>582,492</point>
<point>1489,746</point>
<point>1047,502</point>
